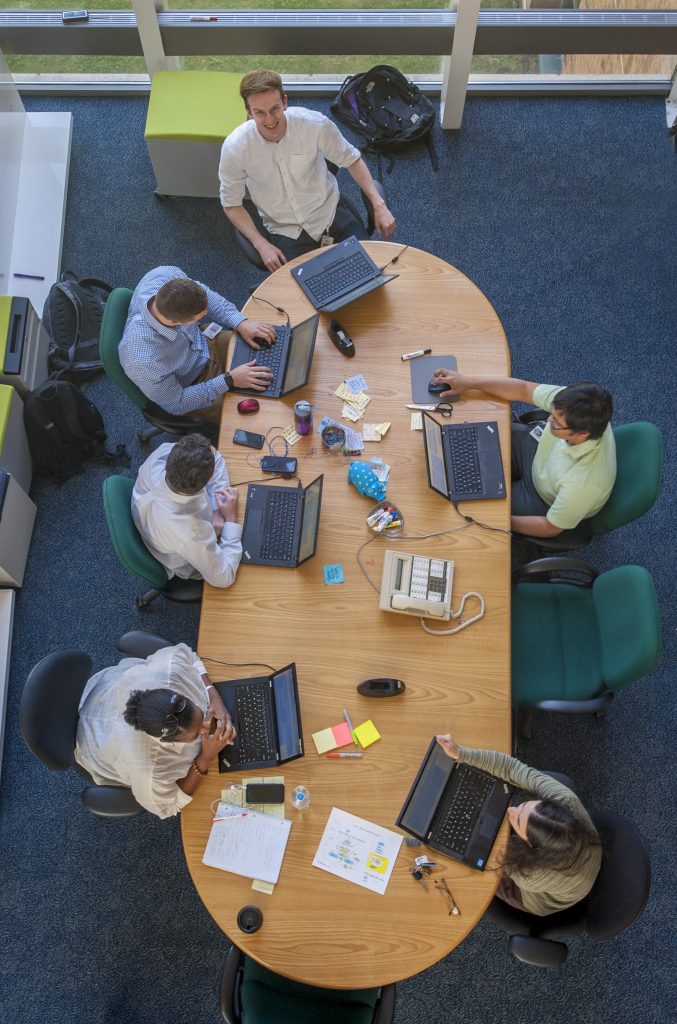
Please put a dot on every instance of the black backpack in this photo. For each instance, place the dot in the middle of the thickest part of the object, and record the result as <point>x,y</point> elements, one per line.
<point>64,430</point>
<point>72,316</point>
<point>386,111</point>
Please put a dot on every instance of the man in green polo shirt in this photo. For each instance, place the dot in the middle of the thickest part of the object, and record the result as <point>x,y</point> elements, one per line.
<point>563,472</point>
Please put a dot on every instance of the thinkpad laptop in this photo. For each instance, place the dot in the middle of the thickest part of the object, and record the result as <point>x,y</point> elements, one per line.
<point>454,808</point>
<point>281,524</point>
<point>463,460</point>
<point>290,357</point>
<point>267,718</point>
<point>339,275</point>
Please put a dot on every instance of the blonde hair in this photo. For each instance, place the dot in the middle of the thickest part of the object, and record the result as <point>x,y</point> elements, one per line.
<point>260,80</point>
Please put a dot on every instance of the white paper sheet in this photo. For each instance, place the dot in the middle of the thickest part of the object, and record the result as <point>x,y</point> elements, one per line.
<point>358,850</point>
<point>252,846</point>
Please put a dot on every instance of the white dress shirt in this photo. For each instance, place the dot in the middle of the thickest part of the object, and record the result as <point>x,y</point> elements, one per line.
<point>115,753</point>
<point>288,181</point>
<point>177,528</point>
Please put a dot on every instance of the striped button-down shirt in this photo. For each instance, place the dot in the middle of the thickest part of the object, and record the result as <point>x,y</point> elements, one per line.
<point>165,361</point>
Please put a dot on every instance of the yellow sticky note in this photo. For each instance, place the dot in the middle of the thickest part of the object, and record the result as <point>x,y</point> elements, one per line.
<point>350,412</point>
<point>382,429</point>
<point>366,734</point>
<point>267,887</point>
<point>344,392</point>
<point>324,740</point>
<point>370,432</point>
<point>291,435</point>
<point>416,421</point>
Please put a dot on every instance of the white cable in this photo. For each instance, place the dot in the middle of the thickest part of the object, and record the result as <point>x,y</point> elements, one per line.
<point>457,615</point>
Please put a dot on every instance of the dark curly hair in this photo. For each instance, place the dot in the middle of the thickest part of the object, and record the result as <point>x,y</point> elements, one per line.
<point>148,711</point>
<point>190,464</point>
<point>555,839</point>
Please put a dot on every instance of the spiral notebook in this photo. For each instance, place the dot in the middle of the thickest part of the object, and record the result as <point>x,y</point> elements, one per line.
<point>252,846</point>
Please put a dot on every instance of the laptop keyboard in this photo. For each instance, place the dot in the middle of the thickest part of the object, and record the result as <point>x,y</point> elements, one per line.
<point>340,278</point>
<point>461,808</point>
<point>271,355</point>
<point>279,525</point>
<point>256,728</point>
<point>465,463</point>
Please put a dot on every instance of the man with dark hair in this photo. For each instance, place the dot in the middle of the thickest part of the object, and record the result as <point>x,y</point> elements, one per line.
<point>564,469</point>
<point>279,156</point>
<point>164,352</point>
<point>187,514</point>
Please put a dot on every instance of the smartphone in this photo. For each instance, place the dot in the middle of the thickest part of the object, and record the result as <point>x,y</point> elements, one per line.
<point>264,793</point>
<point>279,464</point>
<point>248,439</point>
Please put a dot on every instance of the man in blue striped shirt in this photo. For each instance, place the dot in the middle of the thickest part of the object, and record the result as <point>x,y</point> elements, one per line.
<point>167,356</point>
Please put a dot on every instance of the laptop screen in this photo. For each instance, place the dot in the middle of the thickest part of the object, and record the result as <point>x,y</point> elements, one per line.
<point>437,471</point>
<point>301,348</point>
<point>311,516</point>
<point>288,727</point>
<point>427,791</point>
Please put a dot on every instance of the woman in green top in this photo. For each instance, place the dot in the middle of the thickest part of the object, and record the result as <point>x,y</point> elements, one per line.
<point>554,852</point>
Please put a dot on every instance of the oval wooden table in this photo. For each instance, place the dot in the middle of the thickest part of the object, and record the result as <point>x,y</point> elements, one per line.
<point>318,928</point>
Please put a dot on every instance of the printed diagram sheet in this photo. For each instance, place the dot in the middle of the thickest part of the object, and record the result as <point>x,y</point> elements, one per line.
<point>358,850</point>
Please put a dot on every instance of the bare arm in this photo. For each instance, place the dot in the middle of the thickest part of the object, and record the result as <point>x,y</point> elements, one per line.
<point>511,389</point>
<point>272,257</point>
<point>383,218</point>
<point>534,526</point>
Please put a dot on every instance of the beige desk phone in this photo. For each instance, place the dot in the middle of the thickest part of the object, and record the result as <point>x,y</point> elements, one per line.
<point>416,585</point>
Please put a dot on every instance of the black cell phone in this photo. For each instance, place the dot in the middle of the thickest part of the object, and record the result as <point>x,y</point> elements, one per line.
<point>248,439</point>
<point>264,793</point>
<point>279,464</point>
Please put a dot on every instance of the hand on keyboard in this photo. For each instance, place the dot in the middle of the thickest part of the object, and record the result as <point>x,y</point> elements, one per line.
<point>249,375</point>
<point>214,744</point>
<point>449,746</point>
<point>255,332</point>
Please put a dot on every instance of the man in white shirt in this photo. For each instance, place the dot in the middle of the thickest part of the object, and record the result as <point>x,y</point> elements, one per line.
<point>279,155</point>
<point>146,725</point>
<point>187,514</point>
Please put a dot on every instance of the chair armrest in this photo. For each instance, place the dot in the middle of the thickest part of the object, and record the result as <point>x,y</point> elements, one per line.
<point>533,416</point>
<point>594,706</point>
<point>385,1008</point>
<point>523,572</point>
<point>110,801</point>
<point>138,644</point>
<point>538,952</point>
<point>230,985</point>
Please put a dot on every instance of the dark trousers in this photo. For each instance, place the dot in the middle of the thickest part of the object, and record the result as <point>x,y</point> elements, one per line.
<point>526,501</point>
<point>343,226</point>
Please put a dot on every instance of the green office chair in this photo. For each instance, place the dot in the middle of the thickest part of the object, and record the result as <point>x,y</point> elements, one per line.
<point>254,994</point>
<point>112,327</point>
<point>133,553</point>
<point>578,639</point>
<point>639,461</point>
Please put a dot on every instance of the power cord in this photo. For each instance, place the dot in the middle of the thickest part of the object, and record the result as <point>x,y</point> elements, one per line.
<point>239,664</point>
<point>279,309</point>
<point>475,522</point>
<point>394,259</point>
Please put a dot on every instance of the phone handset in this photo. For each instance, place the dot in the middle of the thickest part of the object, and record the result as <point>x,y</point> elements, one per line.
<point>404,603</point>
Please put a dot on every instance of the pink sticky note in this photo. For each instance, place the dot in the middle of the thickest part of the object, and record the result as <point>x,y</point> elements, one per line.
<point>342,734</point>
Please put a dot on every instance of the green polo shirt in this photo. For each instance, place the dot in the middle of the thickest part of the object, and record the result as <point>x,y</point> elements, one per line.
<point>575,480</point>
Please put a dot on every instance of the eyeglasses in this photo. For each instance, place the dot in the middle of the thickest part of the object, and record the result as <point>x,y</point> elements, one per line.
<point>554,425</point>
<point>444,890</point>
<point>177,706</point>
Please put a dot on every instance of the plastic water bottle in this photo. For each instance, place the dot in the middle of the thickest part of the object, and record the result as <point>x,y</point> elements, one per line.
<point>300,798</point>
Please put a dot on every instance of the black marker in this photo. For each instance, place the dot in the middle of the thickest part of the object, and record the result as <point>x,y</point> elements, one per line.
<point>415,355</point>
<point>31,277</point>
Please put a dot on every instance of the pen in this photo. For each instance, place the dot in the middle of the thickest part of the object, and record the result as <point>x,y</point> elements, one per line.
<point>348,722</point>
<point>415,355</point>
<point>31,277</point>
<point>228,817</point>
<point>429,408</point>
<point>344,755</point>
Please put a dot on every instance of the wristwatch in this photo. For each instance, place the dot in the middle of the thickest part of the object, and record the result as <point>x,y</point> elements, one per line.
<point>229,381</point>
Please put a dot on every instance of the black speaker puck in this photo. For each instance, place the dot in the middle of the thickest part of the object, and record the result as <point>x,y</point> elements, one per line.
<point>249,919</point>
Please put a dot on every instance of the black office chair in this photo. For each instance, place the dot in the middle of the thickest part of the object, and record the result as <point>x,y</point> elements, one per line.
<point>48,717</point>
<point>251,992</point>
<point>615,902</point>
<point>252,254</point>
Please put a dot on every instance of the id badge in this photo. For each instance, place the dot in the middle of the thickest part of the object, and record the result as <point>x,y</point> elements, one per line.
<point>212,329</point>
<point>537,432</point>
<point>326,240</point>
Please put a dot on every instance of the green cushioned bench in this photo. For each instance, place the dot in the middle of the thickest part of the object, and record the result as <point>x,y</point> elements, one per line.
<point>189,115</point>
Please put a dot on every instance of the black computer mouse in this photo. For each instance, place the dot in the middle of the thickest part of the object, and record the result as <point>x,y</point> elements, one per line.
<point>436,386</point>
<point>338,335</point>
<point>381,688</point>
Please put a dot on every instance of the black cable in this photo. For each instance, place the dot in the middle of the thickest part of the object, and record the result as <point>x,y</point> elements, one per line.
<point>260,298</point>
<point>476,522</point>
<point>240,664</point>
<point>258,480</point>
<point>394,259</point>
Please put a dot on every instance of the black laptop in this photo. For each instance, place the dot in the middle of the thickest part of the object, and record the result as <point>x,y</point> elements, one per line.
<point>463,460</point>
<point>455,808</point>
<point>339,275</point>
<point>267,717</point>
<point>281,524</point>
<point>290,357</point>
